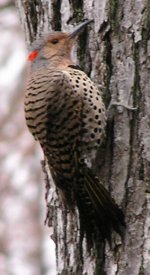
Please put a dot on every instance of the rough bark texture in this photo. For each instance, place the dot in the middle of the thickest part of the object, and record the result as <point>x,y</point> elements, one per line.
<point>115,52</point>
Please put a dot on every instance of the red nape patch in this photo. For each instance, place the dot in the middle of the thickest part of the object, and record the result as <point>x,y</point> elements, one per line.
<point>32,55</point>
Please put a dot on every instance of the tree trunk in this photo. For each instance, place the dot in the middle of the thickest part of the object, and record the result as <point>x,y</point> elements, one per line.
<point>115,53</point>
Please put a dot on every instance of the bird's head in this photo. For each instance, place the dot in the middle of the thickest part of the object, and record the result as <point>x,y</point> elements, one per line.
<point>56,44</point>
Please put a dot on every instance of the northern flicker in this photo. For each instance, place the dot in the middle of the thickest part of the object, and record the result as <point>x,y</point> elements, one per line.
<point>64,111</point>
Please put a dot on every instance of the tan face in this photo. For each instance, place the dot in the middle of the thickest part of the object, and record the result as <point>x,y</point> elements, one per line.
<point>57,44</point>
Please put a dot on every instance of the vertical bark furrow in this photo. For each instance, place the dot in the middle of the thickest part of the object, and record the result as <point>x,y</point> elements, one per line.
<point>56,21</point>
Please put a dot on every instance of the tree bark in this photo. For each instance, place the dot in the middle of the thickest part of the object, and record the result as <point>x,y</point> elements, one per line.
<point>115,53</point>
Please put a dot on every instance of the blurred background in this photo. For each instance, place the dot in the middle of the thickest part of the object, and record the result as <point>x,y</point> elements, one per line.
<point>25,244</point>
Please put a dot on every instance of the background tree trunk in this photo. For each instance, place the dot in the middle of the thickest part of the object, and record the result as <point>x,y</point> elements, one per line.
<point>115,53</point>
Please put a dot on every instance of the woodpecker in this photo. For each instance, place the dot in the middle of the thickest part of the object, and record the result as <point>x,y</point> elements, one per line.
<point>65,113</point>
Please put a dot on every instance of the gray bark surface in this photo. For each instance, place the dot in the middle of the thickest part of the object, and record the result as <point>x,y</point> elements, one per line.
<point>115,52</point>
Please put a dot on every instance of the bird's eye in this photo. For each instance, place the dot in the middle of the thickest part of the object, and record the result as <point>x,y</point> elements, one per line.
<point>54,41</point>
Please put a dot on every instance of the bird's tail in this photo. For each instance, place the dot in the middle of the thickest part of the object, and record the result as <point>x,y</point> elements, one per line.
<point>98,211</point>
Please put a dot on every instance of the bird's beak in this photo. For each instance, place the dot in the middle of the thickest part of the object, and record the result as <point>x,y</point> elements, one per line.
<point>79,28</point>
